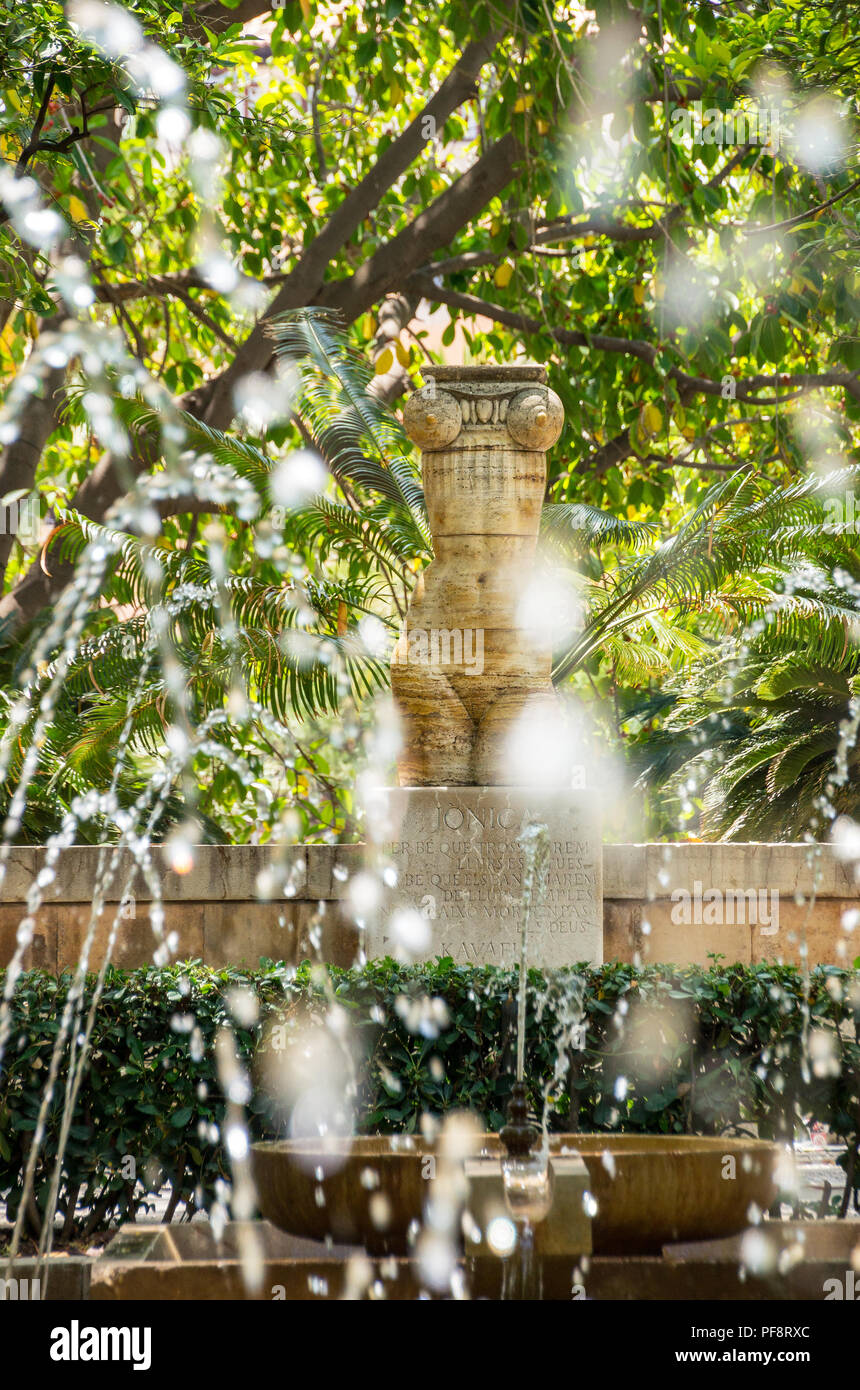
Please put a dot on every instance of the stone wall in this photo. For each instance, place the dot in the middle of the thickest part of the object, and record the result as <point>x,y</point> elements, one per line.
<point>639,880</point>
<point>213,914</point>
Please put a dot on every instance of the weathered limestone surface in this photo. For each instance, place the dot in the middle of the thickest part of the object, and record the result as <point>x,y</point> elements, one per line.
<point>471,678</point>
<point>817,933</point>
<point>483,432</point>
<point>229,873</point>
<point>214,913</point>
<point>461,865</point>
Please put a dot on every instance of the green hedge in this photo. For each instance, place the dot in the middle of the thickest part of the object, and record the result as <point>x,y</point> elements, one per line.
<point>701,1051</point>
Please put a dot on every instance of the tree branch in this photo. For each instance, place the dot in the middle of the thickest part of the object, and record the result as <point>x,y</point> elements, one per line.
<point>562,229</point>
<point>32,144</point>
<point>393,263</point>
<point>394,315</point>
<point>217,17</point>
<point>803,216</point>
<point>745,387</point>
<point>20,459</point>
<point>214,401</point>
<point>302,286</point>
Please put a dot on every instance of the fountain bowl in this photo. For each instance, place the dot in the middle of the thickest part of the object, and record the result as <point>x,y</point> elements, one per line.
<point>650,1189</point>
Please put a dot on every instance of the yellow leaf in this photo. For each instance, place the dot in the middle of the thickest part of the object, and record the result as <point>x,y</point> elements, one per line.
<point>395,93</point>
<point>543,127</point>
<point>590,241</point>
<point>14,101</point>
<point>631,512</point>
<point>78,210</point>
<point>306,8</point>
<point>653,419</point>
<point>342,618</point>
<point>503,274</point>
<point>404,357</point>
<point>639,293</point>
<point>384,362</point>
<point>7,337</point>
<point>600,436</point>
<point>689,433</point>
<point>524,102</point>
<point>495,227</point>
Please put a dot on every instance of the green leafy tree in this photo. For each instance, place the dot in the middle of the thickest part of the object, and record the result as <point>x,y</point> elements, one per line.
<point>175,184</point>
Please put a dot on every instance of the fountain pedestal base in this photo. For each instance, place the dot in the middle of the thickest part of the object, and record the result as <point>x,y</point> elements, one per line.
<point>566,1229</point>
<point>461,867</point>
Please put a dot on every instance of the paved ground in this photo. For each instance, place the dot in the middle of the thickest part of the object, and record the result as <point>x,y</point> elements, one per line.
<point>817,1167</point>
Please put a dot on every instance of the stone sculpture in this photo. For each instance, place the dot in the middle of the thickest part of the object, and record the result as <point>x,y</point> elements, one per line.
<point>471,678</point>
<point>464,670</point>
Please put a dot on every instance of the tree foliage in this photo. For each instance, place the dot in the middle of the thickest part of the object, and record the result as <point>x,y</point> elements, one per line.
<point>178,182</point>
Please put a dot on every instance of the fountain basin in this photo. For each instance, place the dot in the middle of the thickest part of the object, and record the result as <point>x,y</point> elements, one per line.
<point>650,1189</point>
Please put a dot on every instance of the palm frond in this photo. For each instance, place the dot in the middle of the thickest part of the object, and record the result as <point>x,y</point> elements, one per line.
<point>360,439</point>
<point>579,526</point>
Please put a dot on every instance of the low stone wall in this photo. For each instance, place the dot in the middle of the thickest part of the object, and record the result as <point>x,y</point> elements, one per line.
<point>786,923</point>
<point>750,902</point>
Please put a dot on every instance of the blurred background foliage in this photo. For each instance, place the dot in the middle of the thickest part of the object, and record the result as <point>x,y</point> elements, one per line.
<point>281,217</point>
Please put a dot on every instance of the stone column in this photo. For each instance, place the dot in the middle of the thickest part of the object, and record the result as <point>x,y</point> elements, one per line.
<point>469,678</point>
<point>464,671</point>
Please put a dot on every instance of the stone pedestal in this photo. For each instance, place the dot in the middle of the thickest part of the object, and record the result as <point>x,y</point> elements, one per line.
<point>460,866</point>
<point>566,1229</point>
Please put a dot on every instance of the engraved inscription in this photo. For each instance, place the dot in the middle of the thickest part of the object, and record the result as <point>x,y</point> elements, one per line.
<point>459,861</point>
